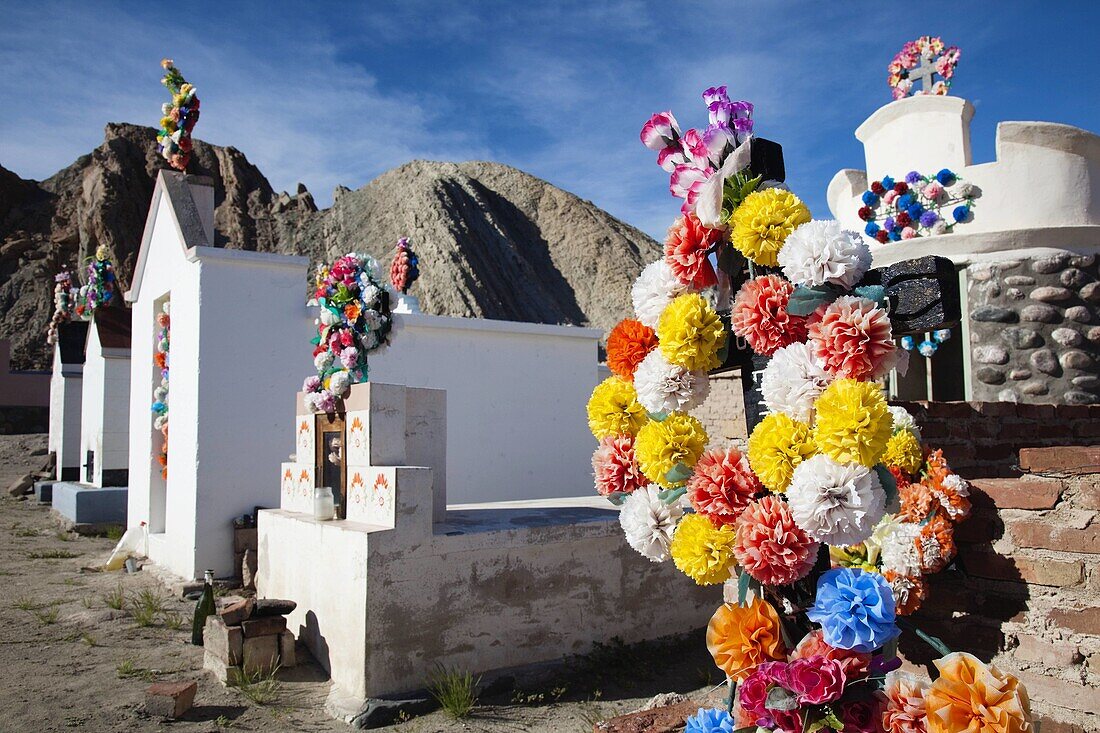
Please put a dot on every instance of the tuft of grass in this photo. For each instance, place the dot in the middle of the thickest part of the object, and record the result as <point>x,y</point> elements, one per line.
<point>63,535</point>
<point>89,639</point>
<point>455,691</point>
<point>25,603</point>
<point>147,606</point>
<point>114,533</point>
<point>223,722</point>
<point>86,601</point>
<point>47,616</point>
<point>173,620</point>
<point>26,532</point>
<point>127,670</point>
<point>53,555</point>
<point>116,598</point>
<point>261,688</point>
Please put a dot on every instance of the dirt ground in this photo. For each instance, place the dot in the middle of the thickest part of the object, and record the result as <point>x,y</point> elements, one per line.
<point>69,660</point>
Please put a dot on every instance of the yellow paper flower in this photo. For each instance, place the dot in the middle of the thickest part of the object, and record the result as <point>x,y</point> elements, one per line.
<point>776,447</point>
<point>853,423</point>
<point>970,696</point>
<point>903,450</point>
<point>690,333</point>
<point>661,446</point>
<point>762,222</point>
<point>613,409</point>
<point>742,637</point>
<point>702,551</point>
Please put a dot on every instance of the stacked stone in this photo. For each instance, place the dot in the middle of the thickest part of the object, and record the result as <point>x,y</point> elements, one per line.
<point>248,638</point>
<point>1034,330</point>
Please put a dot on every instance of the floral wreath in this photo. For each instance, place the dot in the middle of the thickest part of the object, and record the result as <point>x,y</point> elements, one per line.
<point>896,210</point>
<point>354,320</point>
<point>909,57</point>
<point>830,522</point>
<point>405,266</point>
<point>179,118</point>
<point>160,393</point>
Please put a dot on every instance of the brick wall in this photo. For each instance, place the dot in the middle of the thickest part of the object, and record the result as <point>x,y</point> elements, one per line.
<point>723,412</point>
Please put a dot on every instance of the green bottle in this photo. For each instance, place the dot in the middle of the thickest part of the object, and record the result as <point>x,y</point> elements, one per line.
<point>204,609</point>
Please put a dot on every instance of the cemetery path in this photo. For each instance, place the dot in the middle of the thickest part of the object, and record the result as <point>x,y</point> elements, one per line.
<point>78,649</point>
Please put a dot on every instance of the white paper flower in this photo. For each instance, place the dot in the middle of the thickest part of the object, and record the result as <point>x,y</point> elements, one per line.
<point>653,290</point>
<point>903,420</point>
<point>339,383</point>
<point>793,380</point>
<point>373,319</point>
<point>962,190</point>
<point>665,387</point>
<point>370,295</point>
<point>899,548</point>
<point>323,360</point>
<point>836,503</point>
<point>820,252</point>
<point>648,522</point>
<point>329,317</point>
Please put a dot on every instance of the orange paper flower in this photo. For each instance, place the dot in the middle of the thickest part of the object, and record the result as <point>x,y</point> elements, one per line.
<point>909,591</point>
<point>972,697</point>
<point>741,637</point>
<point>936,543</point>
<point>627,344</point>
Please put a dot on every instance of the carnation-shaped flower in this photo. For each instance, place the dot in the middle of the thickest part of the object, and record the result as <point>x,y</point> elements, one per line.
<point>903,420</point>
<point>917,502</point>
<point>614,409</point>
<point>904,451</point>
<point>759,315</point>
<point>649,523</point>
<point>709,720</point>
<point>627,344</point>
<point>853,424</point>
<point>667,449</point>
<point>900,554</point>
<point>971,696</point>
<point>654,289</point>
<point>754,695</point>
<point>863,714</point>
<point>820,252</point>
<point>793,380</point>
<point>936,543</point>
<point>614,466</point>
<point>855,664</point>
<point>339,383</point>
<point>905,711</point>
<point>836,503</point>
<point>742,637</point>
<point>686,249</point>
<point>909,591</point>
<point>770,546</point>
<point>691,333</point>
<point>763,221</point>
<point>816,680</point>
<point>776,447</point>
<point>722,485</point>
<point>953,493</point>
<point>855,609</point>
<point>702,551</point>
<point>853,338</point>
<point>665,387</point>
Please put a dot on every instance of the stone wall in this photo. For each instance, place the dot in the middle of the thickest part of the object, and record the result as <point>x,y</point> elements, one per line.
<point>723,412</point>
<point>1033,330</point>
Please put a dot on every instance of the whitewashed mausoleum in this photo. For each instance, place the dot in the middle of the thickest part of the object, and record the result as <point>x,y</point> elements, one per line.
<point>105,399</point>
<point>66,396</point>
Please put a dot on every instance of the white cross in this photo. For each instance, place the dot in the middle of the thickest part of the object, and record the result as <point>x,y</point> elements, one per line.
<point>923,72</point>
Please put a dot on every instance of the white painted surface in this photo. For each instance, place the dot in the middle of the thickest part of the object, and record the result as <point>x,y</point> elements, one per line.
<point>66,383</point>
<point>105,408</point>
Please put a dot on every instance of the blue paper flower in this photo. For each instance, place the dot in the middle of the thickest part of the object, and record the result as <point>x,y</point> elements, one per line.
<point>913,177</point>
<point>961,213</point>
<point>945,177</point>
<point>871,229</point>
<point>709,720</point>
<point>904,201</point>
<point>887,182</point>
<point>915,211</point>
<point>855,609</point>
<point>908,343</point>
<point>895,235</point>
<point>870,198</point>
<point>928,348</point>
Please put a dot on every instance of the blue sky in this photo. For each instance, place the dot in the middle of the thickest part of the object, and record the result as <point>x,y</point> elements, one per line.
<point>336,94</point>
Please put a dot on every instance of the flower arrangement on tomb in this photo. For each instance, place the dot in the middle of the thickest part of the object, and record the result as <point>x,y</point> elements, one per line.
<point>907,64</point>
<point>405,266</point>
<point>80,301</point>
<point>825,529</point>
<point>65,297</point>
<point>179,118</point>
<point>916,206</point>
<point>160,392</point>
<point>354,320</point>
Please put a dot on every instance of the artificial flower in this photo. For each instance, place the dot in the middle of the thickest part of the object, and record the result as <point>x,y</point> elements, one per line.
<point>917,502</point>
<point>776,447</point>
<point>855,664</point>
<point>936,543</point>
<point>971,696</point>
<point>312,383</point>
<point>898,544</point>
<point>654,289</point>
<point>816,680</point>
<point>687,249</point>
<point>709,720</point>
<point>909,591</point>
<point>905,711</point>
<point>853,338</point>
<point>339,383</point>
<point>855,609</point>
<point>863,714</point>
<point>742,637</point>
<point>649,523</point>
<point>614,466</point>
<point>687,179</point>
<point>754,696</point>
<point>667,449</point>
<point>770,546</point>
<point>820,252</point>
<point>903,420</point>
<point>759,315</point>
<point>613,409</point>
<point>722,485</point>
<point>793,380</point>
<point>836,503</point>
<point>690,333</point>
<point>627,344</point>
<point>404,268</point>
<point>762,222</point>
<point>853,424</point>
<point>904,451</point>
<point>665,387</point>
<point>953,492</point>
<point>702,551</point>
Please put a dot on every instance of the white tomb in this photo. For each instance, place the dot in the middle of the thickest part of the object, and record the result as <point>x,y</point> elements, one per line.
<point>238,325</point>
<point>105,400</point>
<point>66,383</point>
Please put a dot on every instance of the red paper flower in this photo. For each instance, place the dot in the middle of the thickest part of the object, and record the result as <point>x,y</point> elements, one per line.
<point>903,219</point>
<point>882,236</point>
<point>853,338</point>
<point>686,251</point>
<point>627,344</point>
<point>615,468</point>
<point>901,187</point>
<point>722,485</point>
<point>770,546</point>
<point>877,188</point>
<point>759,315</point>
<point>866,213</point>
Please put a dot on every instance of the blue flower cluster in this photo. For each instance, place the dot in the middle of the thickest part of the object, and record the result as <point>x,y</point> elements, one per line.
<point>709,720</point>
<point>855,608</point>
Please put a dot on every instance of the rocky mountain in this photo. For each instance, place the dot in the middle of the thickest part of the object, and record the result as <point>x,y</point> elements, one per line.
<point>493,241</point>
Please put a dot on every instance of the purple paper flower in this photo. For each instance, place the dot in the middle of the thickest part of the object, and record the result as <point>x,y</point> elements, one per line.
<point>888,225</point>
<point>715,94</point>
<point>312,384</point>
<point>719,140</point>
<point>913,177</point>
<point>928,218</point>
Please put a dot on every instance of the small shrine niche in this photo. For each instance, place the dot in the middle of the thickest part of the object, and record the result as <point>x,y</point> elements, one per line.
<point>329,466</point>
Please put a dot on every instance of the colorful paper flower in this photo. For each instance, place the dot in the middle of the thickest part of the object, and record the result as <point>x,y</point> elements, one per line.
<point>903,420</point>
<point>652,292</point>
<point>855,609</point>
<point>936,543</point>
<point>770,546</point>
<point>898,543</point>
<point>691,333</point>
<point>971,696</point>
<point>820,252</point>
<point>853,424</point>
<point>628,343</point>
<point>613,409</point>
<point>904,451</point>
<point>759,315</point>
<point>853,338</point>
<point>905,710</point>
<point>614,466</point>
<point>665,387</point>
<point>836,503</point>
<point>709,720</point>
<point>863,714</point>
<point>722,485</point>
<point>405,266</point>
<point>776,447</point>
<point>702,551</point>
<point>793,380</point>
<point>742,637</point>
<point>909,591</point>
<point>686,252</point>
<point>762,222</point>
<point>855,664</point>
<point>649,523</point>
<point>667,449</point>
<point>816,680</point>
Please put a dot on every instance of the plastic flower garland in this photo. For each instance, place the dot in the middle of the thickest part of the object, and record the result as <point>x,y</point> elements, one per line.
<point>405,266</point>
<point>931,49</point>
<point>829,523</point>
<point>65,297</point>
<point>160,394</point>
<point>73,301</point>
<point>179,118</point>
<point>354,320</point>
<point>916,206</point>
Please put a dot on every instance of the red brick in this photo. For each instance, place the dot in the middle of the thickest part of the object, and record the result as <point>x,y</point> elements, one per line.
<point>1061,459</point>
<point>1056,726</point>
<point>979,528</point>
<point>1043,535</point>
<point>1077,412</point>
<point>1044,412</point>
<point>957,409</point>
<point>1057,573</point>
<point>1083,621</point>
<point>996,409</point>
<point>1017,493</point>
<point>1048,653</point>
<point>1087,429</point>
<point>170,699</point>
<point>933,429</point>
<point>1087,495</point>
<point>1062,693</point>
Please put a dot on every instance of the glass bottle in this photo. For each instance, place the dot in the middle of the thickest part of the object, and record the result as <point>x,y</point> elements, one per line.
<point>324,504</point>
<point>204,608</point>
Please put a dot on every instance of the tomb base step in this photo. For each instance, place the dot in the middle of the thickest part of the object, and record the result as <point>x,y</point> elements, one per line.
<point>89,508</point>
<point>43,491</point>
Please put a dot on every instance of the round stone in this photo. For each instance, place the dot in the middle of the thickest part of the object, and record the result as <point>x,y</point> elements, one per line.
<point>1091,292</point>
<point>1024,338</point>
<point>1083,260</point>
<point>1034,388</point>
<point>1066,337</point>
<point>1044,361</point>
<point>991,354</point>
<point>1076,360</point>
<point>1079,313</point>
<point>1047,265</point>
<point>1007,395</point>
<point>989,375</point>
<point>980,273</point>
<point>1088,381</point>
<point>994,314</point>
<point>1049,294</point>
<point>1007,265</point>
<point>1017,375</point>
<point>1074,278</point>
<point>1076,397</point>
<point>1014,294</point>
<point>1093,334</point>
<point>1015,280</point>
<point>1040,314</point>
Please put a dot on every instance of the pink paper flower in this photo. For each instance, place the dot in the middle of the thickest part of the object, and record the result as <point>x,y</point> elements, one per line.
<point>722,485</point>
<point>855,664</point>
<point>889,196</point>
<point>816,680</point>
<point>660,131</point>
<point>770,546</point>
<point>933,190</point>
<point>852,337</point>
<point>686,252</point>
<point>905,709</point>
<point>685,183</point>
<point>759,315</point>
<point>909,233</point>
<point>615,468</point>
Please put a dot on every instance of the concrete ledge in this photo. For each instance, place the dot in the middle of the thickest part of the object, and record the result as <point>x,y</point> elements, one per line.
<point>43,492</point>
<point>83,504</point>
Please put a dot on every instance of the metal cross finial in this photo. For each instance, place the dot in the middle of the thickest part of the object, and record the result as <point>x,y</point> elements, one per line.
<point>923,72</point>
